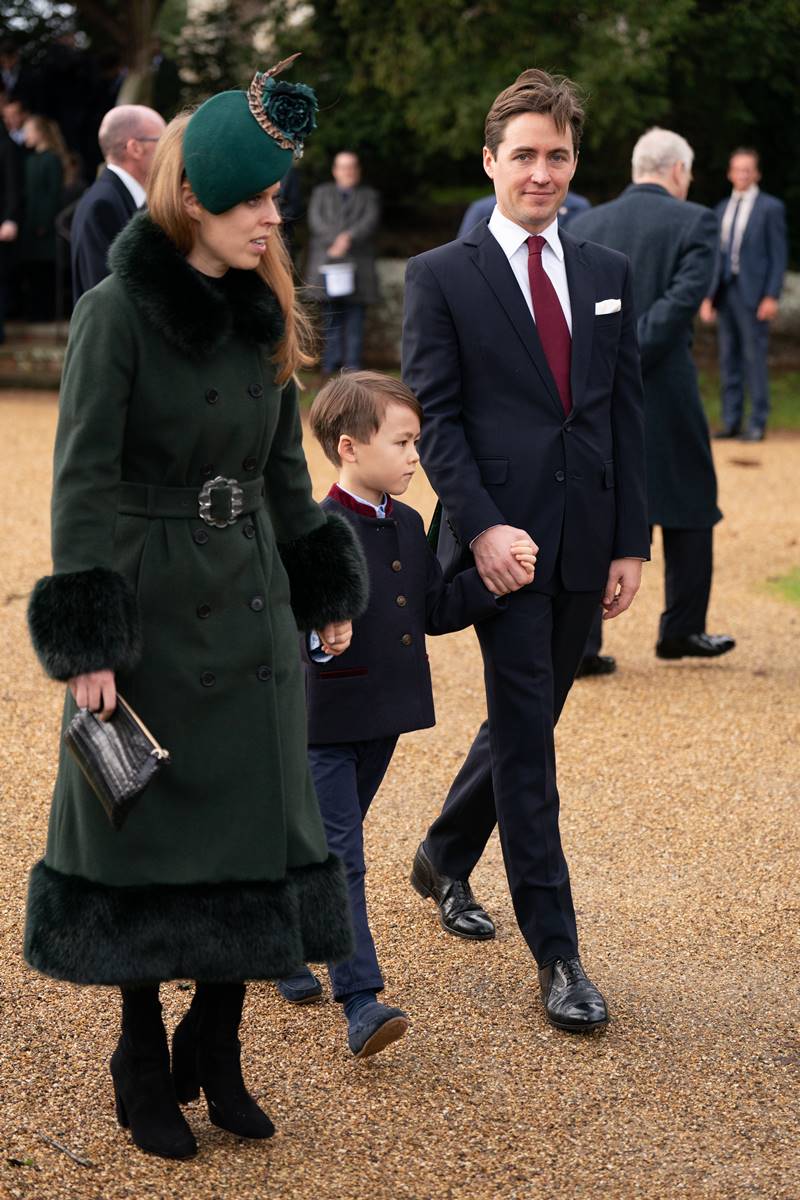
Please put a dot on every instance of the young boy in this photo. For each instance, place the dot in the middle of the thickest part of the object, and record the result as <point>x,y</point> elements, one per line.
<point>362,699</point>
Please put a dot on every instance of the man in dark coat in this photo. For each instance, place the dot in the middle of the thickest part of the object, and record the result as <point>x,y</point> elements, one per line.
<point>10,214</point>
<point>745,290</point>
<point>671,244</point>
<point>520,343</point>
<point>128,136</point>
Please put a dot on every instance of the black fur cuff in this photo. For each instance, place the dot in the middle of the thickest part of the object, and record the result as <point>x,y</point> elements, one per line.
<point>84,621</point>
<point>327,573</point>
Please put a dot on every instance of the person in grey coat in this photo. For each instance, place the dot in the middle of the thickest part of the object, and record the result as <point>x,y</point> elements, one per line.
<point>343,218</point>
<point>671,243</point>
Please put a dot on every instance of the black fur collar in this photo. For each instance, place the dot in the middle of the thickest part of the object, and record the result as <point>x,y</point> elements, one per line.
<point>194,314</point>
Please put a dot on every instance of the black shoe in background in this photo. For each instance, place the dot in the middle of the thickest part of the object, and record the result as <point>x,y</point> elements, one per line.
<point>459,911</point>
<point>752,434</point>
<point>695,645</point>
<point>596,664</point>
<point>727,431</point>
<point>571,1001</point>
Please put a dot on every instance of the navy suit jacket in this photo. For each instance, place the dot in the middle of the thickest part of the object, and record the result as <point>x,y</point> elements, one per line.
<point>103,211</point>
<point>496,444</point>
<point>764,251</point>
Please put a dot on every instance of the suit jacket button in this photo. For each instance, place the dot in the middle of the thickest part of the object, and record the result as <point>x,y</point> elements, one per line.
<point>397,565</point>
<point>264,674</point>
<point>208,679</point>
<point>560,477</point>
<point>203,611</point>
<point>249,530</point>
<point>567,429</point>
<point>401,602</point>
<point>255,390</point>
<point>406,639</point>
<point>257,604</point>
<point>212,395</point>
<point>200,537</point>
<point>250,463</point>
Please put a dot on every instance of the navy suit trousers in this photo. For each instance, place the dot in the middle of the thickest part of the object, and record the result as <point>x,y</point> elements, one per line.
<point>743,343</point>
<point>347,776</point>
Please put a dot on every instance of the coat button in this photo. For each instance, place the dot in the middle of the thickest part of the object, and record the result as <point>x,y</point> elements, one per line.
<point>264,673</point>
<point>250,463</point>
<point>212,395</point>
<point>397,565</point>
<point>208,679</point>
<point>406,639</point>
<point>401,602</point>
<point>255,390</point>
<point>249,530</point>
<point>257,604</point>
<point>203,611</point>
<point>207,470</point>
<point>200,537</point>
<point>560,477</point>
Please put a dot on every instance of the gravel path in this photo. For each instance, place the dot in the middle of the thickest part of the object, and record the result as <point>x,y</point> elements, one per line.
<point>679,817</point>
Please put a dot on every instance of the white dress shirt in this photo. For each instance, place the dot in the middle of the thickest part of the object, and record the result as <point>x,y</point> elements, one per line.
<point>513,241</point>
<point>748,199</point>
<point>134,187</point>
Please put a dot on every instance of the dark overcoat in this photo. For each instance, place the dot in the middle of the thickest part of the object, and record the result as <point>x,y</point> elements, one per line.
<point>44,189</point>
<point>11,193</point>
<point>381,686</point>
<point>222,869</point>
<point>672,246</point>
<point>330,214</point>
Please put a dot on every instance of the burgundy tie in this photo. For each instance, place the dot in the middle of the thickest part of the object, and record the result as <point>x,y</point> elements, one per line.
<point>551,324</point>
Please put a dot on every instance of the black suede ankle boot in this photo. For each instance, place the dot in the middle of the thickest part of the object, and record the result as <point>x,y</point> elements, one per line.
<point>206,1054</point>
<point>143,1088</point>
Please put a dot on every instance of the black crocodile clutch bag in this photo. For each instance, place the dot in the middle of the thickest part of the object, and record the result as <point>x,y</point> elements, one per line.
<point>119,757</point>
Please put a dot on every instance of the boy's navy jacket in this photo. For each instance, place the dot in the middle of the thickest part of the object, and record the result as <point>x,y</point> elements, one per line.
<point>381,685</point>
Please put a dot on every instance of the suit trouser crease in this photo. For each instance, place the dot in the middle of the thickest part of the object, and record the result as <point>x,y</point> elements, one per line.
<point>347,777</point>
<point>530,654</point>
<point>743,343</point>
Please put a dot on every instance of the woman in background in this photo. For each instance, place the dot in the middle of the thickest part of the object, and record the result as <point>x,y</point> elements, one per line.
<point>43,167</point>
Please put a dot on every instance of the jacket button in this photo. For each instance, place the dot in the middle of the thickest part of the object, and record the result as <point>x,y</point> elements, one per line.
<point>208,679</point>
<point>567,429</point>
<point>249,530</point>
<point>255,390</point>
<point>207,470</point>
<point>257,604</point>
<point>406,639</point>
<point>560,477</point>
<point>397,565</point>
<point>203,611</point>
<point>250,463</point>
<point>200,537</point>
<point>264,673</point>
<point>401,602</point>
<point>212,395</point>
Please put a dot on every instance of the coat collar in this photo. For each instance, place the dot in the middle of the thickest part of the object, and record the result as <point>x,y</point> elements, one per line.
<point>193,313</point>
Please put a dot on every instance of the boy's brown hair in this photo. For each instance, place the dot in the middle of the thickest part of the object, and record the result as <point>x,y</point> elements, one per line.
<point>536,91</point>
<point>354,403</point>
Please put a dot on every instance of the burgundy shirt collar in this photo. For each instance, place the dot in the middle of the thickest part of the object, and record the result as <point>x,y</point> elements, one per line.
<point>347,501</point>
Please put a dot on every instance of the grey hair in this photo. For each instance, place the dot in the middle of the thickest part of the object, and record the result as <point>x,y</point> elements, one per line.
<point>657,150</point>
<point>119,125</point>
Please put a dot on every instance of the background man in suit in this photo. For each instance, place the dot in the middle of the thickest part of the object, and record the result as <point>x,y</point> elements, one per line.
<point>520,342</point>
<point>10,215</point>
<point>744,291</point>
<point>343,219</point>
<point>128,135</point>
<point>482,209</point>
<point>672,246</point>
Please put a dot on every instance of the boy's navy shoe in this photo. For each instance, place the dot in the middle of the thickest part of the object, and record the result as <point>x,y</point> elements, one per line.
<point>301,988</point>
<point>374,1026</point>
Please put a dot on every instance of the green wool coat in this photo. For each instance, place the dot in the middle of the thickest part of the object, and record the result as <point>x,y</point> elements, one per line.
<point>221,871</point>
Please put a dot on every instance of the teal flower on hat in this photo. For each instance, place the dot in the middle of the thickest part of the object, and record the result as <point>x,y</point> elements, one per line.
<point>292,108</point>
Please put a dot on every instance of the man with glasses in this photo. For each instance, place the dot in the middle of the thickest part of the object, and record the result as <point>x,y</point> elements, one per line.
<point>128,135</point>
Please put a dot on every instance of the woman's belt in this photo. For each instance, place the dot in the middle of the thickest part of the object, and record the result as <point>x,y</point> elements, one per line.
<point>218,502</point>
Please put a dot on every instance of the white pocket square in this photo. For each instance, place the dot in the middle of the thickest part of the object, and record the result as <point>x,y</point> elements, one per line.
<point>607,306</point>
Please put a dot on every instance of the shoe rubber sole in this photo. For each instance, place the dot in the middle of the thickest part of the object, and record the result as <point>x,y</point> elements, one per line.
<point>391,1031</point>
<point>590,1028</point>
<point>427,894</point>
<point>313,998</point>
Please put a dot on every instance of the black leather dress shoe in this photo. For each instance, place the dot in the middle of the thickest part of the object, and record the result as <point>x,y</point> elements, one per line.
<point>571,1001</point>
<point>596,664</point>
<point>459,911</point>
<point>752,434</point>
<point>695,645</point>
<point>728,431</point>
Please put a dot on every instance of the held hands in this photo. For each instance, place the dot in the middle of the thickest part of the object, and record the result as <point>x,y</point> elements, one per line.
<point>96,691</point>
<point>336,637</point>
<point>340,245</point>
<point>505,558</point>
<point>8,231</point>
<point>624,578</point>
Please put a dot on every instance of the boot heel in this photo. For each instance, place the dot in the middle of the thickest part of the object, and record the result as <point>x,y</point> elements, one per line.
<point>122,1116</point>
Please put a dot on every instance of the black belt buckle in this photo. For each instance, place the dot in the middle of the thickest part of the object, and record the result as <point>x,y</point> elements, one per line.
<point>220,502</point>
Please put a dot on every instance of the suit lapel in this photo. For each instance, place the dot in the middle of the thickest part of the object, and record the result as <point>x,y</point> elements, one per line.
<point>494,266</point>
<point>581,298</point>
<point>755,214</point>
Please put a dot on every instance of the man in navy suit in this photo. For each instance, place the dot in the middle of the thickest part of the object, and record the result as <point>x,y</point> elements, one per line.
<point>482,209</point>
<point>744,293</point>
<point>520,343</point>
<point>128,135</point>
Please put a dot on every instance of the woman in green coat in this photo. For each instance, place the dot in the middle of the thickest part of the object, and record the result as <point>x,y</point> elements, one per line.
<point>187,551</point>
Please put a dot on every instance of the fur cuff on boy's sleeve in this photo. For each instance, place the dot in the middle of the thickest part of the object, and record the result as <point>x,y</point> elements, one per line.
<point>327,574</point>
<point>84,621</point>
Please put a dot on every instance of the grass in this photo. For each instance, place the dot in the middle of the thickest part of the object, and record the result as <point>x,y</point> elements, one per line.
<point>787,586</point>
<point>784,390</point>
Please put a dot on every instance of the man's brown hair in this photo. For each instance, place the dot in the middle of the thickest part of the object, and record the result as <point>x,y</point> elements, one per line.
<point>750,151</point>
<point>537,92</point>
<point>354,403</point>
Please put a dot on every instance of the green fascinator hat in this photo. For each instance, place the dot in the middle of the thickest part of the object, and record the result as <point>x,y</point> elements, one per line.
<point>238,143</point>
